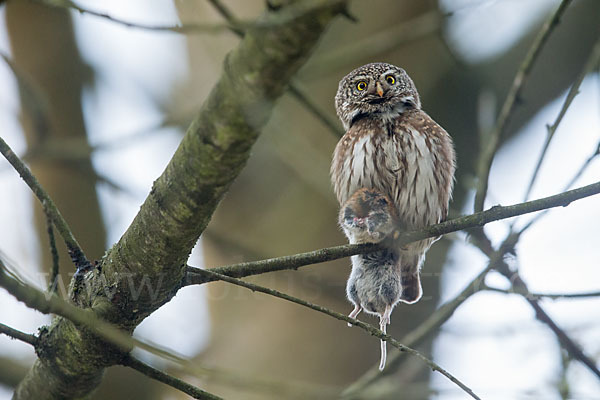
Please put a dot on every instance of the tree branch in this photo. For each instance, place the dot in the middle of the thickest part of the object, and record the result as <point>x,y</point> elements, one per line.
<point>151,254</point>
<point>50,209</point>
<point>519,286</point>
<point>552,296</point>
<point>332,124</point>
<point>435,321</point>
<point>167,379</point>
<point>18,335</point>
<point>52,304</point>
<point>489,150</point>
<point>496,213</point>
<point>128,361</point>
<point>567,343</point>
<point>368,328</point>
<point>186,28</point>
<point>590,64</point>
<point>52,283</point>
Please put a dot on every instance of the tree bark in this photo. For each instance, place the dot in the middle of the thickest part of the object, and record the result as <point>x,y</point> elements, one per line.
<point>155,247</point>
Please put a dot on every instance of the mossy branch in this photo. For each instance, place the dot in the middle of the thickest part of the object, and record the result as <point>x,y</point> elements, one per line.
<point>158,242</point>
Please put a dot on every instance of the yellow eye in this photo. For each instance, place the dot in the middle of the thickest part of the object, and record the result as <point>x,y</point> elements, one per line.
<point>362,85</point>
<point>390,79</point>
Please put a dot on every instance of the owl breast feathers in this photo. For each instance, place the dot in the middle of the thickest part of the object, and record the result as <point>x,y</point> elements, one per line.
<point>409,159</point>
<point>391,145</point>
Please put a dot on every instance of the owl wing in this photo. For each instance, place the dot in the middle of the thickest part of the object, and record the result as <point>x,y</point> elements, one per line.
<point>353,161</point>
<point>425,157</point>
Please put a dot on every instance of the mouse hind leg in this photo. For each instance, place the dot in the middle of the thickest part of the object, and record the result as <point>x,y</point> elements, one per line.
<point>354,313</point>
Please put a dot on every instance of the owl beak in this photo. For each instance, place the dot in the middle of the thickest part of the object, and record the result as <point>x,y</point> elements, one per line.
<point>379,89</point>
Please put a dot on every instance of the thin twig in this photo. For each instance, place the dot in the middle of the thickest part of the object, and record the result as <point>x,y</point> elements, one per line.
<point>435,321</point>
<point>496,213</point>
<point>167,379</point>
<point>185,28</point>
<point>590,64</point>
<point>53,283</point>
<point>31,98</point>
<point>519,286</point>
<point>18,335</point>
<point>37,300</point>
<point>489,150</point>
<point>368,328</point>
<point>74,249</point>
<point>553,296</point>
<point>568,344</point>
<point>293,88</point>
<point>331,123</point>
<point>376,44</point>
<point>574,179</point>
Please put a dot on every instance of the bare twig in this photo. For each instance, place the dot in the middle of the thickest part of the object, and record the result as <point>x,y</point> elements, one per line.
<point>376,44</point>
<point>590,64</point>
<point>574,179</point>
<point>18,335</point>
<point>368,328</point>
<point>186,28</point>
<point>75,251</point>
<point>489,149</point>
<point>568,344</point>
<point>167,379</point>
<point>293,88</point>
<point>53,283</point>
<point>496,213</point>
<point>31,98</point>
<point>435,321</point>
<point>417,335</point>
<point>331,123</point>
<point>553,296</point>
<point>519,286</point>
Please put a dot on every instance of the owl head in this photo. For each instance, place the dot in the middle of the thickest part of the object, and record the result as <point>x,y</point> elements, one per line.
<point>376,89</point>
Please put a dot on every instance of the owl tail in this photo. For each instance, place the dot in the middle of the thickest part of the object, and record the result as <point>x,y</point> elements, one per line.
<point>411,285</point>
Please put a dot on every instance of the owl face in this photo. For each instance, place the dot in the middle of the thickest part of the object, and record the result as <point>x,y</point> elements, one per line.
<point>376,89</point>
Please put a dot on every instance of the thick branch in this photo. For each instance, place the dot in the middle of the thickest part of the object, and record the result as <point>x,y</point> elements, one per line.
<point>145,268</point>
<point>496,213</point>
<point>48,303</point>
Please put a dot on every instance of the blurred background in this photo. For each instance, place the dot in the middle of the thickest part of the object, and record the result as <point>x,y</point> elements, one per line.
<point>97,109</point>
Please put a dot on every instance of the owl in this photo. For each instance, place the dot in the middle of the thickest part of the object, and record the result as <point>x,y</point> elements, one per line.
<point>392,170</point>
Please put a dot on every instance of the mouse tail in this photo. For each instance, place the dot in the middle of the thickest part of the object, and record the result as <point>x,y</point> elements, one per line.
<point>384,320</point>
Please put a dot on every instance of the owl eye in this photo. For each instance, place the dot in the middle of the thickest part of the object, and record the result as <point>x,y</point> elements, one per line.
<point>362,85</point>
<point>390,79</point>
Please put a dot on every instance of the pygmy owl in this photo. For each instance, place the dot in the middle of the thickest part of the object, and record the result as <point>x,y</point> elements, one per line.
<point>393,169</point>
